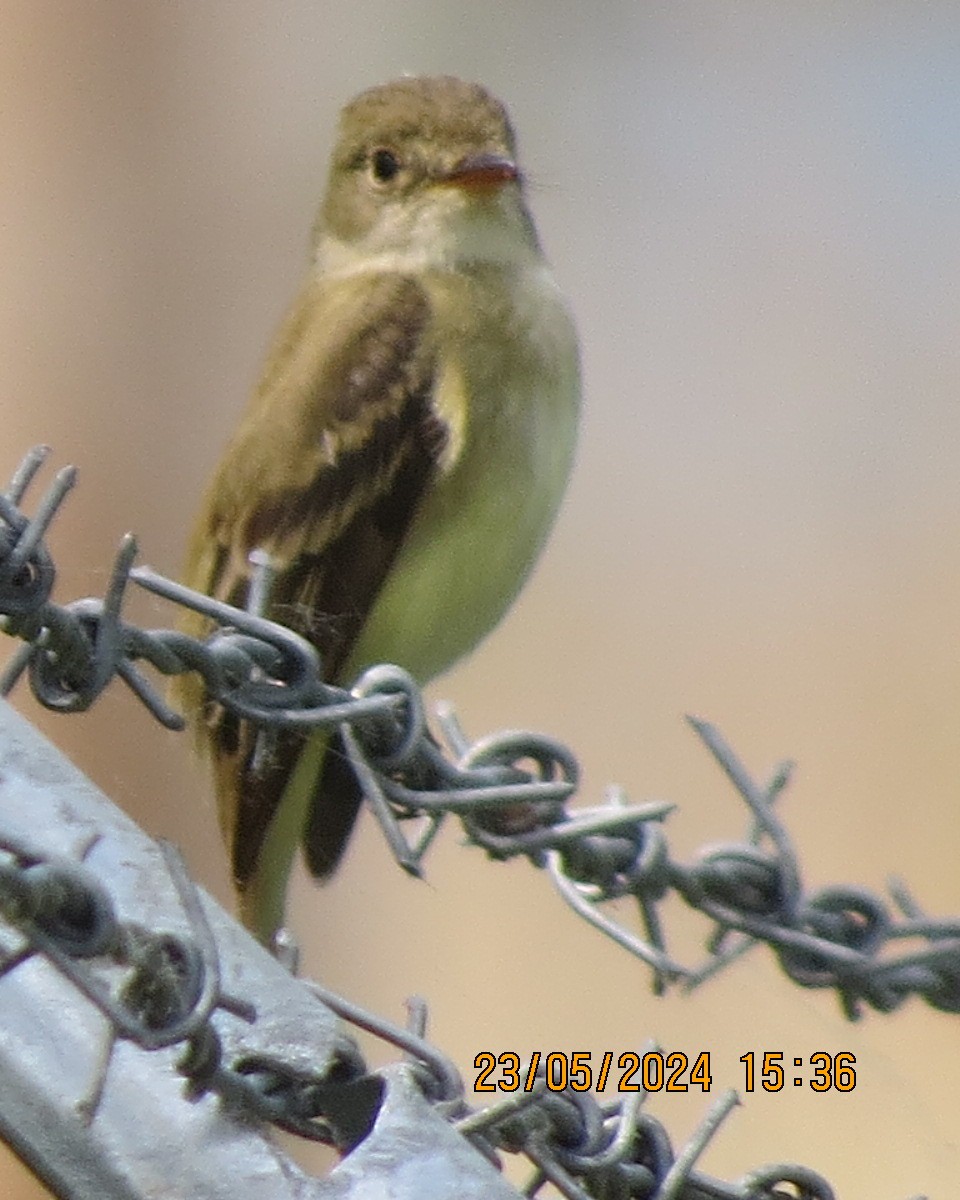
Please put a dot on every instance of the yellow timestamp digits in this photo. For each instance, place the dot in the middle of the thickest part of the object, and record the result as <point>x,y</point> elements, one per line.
<point>653,1071</point>
<point>828,1072</point>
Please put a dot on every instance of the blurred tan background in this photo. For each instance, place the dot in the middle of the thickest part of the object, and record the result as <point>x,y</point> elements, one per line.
<point>754,211</point>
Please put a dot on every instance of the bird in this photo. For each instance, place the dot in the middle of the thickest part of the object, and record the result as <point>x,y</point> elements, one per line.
<point>401,461</point>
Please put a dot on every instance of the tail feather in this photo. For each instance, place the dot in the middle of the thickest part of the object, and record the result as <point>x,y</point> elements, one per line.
<point>333,812</point>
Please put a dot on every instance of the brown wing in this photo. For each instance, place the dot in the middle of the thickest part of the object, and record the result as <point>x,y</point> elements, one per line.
<point>324,475</point>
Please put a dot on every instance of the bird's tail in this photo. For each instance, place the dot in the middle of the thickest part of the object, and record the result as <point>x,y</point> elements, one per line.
<point>333,812</point>
<point>262,888</point>
<point>319,807</point>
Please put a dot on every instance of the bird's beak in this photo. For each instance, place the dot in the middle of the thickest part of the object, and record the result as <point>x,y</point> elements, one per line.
<point>481,171</point>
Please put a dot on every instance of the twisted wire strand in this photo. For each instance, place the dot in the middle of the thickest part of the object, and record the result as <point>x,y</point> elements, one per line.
<point>162,990</point>
<point>510,791</point>
<point>156,990</point>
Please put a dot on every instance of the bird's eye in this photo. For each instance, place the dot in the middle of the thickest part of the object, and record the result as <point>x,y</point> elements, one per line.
<point>384,165</point>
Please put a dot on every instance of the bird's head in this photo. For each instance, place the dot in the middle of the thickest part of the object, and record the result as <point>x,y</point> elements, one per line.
<point>424,173</point>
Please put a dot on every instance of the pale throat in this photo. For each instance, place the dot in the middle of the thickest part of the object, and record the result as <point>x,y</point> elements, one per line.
<point>441,234</point>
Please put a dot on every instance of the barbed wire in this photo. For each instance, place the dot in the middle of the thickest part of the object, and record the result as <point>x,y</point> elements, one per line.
<point>156,990</point>
<point>161,990</point>
<point>510,790</point>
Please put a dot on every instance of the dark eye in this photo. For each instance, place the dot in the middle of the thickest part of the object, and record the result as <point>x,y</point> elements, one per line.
<point>384,165</point>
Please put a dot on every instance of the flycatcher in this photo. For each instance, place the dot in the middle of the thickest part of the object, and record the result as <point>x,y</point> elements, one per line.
<point>404,455</point>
